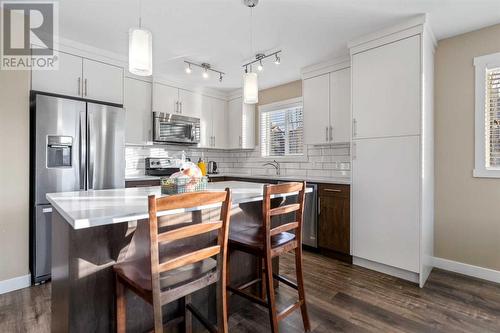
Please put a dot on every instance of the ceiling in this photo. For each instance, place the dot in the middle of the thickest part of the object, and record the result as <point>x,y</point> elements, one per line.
<point>218,31</point>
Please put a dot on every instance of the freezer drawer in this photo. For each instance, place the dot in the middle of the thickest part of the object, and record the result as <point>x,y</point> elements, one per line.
<point>42,237</point>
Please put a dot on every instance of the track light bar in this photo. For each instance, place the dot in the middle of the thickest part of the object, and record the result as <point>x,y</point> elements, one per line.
<point>261,56</point>
<point>206,67</point>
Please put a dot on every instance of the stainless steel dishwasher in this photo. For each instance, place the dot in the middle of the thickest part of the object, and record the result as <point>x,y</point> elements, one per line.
<point>310,222</point>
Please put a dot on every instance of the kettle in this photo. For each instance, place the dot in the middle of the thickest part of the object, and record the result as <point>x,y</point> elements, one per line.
<point>212,167</point>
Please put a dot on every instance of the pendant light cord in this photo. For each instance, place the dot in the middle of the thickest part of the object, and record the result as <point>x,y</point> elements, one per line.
<point>251,30</point>
<point>140,13</point>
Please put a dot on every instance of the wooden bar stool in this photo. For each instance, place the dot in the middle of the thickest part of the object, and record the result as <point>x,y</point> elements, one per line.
<point>266,243</point>
<point>160,282</point>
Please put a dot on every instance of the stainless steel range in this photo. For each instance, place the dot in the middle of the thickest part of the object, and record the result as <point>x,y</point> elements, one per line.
<point>75,145</point>
<point>160,166</point>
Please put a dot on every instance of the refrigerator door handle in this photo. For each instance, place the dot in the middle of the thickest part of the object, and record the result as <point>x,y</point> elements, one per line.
<point>82,150</point>
<point>90,153</point>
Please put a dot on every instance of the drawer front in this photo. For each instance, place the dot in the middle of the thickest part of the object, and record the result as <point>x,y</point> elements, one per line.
<point>142,183</point>
<point>334,190</point>
<point>216,179</point>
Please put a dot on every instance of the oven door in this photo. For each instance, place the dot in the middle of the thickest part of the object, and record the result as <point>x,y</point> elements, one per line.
<point>169,128</point>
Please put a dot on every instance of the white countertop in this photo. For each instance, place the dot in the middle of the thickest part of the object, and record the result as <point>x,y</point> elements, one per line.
<point>324,180</point>
<point>84,209</point>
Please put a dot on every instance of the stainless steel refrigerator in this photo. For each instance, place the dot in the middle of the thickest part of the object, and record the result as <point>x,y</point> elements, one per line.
<point>75,145</point>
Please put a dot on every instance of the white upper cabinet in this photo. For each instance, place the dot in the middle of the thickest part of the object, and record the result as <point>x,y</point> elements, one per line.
<point>190,103</point>
<point>248,131</point>
<point>340,106</point>
<point>213,123</point>
<point>386,90</point>
<point>327,113</point>
<point>165,98</point>
<point>66,80</point>
<point>137,104</point>
<point>206,123</point>
<point>219,123</point>
<point>234,123</point>
<point>316,99</point>
<point>102,82</point>
<point>81,77</point>
<point>241,124</point>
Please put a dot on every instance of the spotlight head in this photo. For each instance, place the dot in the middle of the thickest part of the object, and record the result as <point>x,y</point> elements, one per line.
<point>205,74</point>
<point>277,61</point>
<point>260,67</point>
<point>220,77</point>
<point>188,69</point>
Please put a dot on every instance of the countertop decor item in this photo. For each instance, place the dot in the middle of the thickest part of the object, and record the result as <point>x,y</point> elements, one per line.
<point>183,184</point>
<point>189,179</point>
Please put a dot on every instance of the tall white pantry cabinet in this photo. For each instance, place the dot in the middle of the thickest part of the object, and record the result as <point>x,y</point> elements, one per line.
<point>392,151</point>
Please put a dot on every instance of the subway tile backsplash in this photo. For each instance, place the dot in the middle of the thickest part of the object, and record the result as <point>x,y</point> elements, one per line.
<point>318,161</point>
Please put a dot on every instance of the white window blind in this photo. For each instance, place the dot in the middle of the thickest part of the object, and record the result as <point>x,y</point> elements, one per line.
<point>492,118</point>
<point>282,131</point>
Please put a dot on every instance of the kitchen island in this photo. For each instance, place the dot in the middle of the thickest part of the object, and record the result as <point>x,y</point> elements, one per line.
<point>93,230</point>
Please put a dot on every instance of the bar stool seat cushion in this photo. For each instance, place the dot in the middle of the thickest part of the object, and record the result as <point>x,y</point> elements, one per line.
<point>137,273</point>
<point>253,238</point>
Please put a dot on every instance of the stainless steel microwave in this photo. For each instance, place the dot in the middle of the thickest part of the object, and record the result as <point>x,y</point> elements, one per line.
<point>174,128</point>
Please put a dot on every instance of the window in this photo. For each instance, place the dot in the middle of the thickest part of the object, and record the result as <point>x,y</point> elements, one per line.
<point>281,129</point>
<point>487,116</point>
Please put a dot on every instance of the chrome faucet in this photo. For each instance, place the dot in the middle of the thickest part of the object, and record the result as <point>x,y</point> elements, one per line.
<point>276,165</point>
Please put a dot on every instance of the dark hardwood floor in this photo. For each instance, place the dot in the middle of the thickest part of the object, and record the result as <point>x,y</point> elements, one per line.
<point>341,298</point>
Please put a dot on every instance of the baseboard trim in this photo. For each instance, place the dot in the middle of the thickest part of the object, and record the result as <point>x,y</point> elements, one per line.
<point>389,270</point>
<point>16,283</point>
<point>466,269</point>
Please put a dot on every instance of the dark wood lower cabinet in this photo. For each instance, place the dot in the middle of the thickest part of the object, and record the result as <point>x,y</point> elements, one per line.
<point>334,227</point>
<point>142,183</point>
<point>213,179</point>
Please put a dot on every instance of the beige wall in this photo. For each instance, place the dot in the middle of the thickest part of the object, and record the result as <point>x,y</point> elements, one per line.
<point>14,173</point>
<point>275,94</point>
<point>467,225</point>
<point>280,93</point>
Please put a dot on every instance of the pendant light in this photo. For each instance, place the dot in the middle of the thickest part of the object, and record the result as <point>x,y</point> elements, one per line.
<point>250,88</point>
<point>140,49</point>
<point>250,80</point>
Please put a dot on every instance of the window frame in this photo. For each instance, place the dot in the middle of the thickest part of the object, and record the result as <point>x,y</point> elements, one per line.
<point>481,65</point>
<point>289,103</point>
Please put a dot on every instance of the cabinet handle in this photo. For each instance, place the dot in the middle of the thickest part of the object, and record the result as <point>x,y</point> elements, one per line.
<point>214,142</point>
<point>332,190</point>
<point>241,142</point>
<point>353,151</point>
<point>79,85</point>
<point>326,133</point>
<point>180,109</point>
<point>354,127</point>
<point>85,87</point>
<point>177,107</point>
<point>319,206</point>
<point>47,210</point>
<point>331,133</point>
